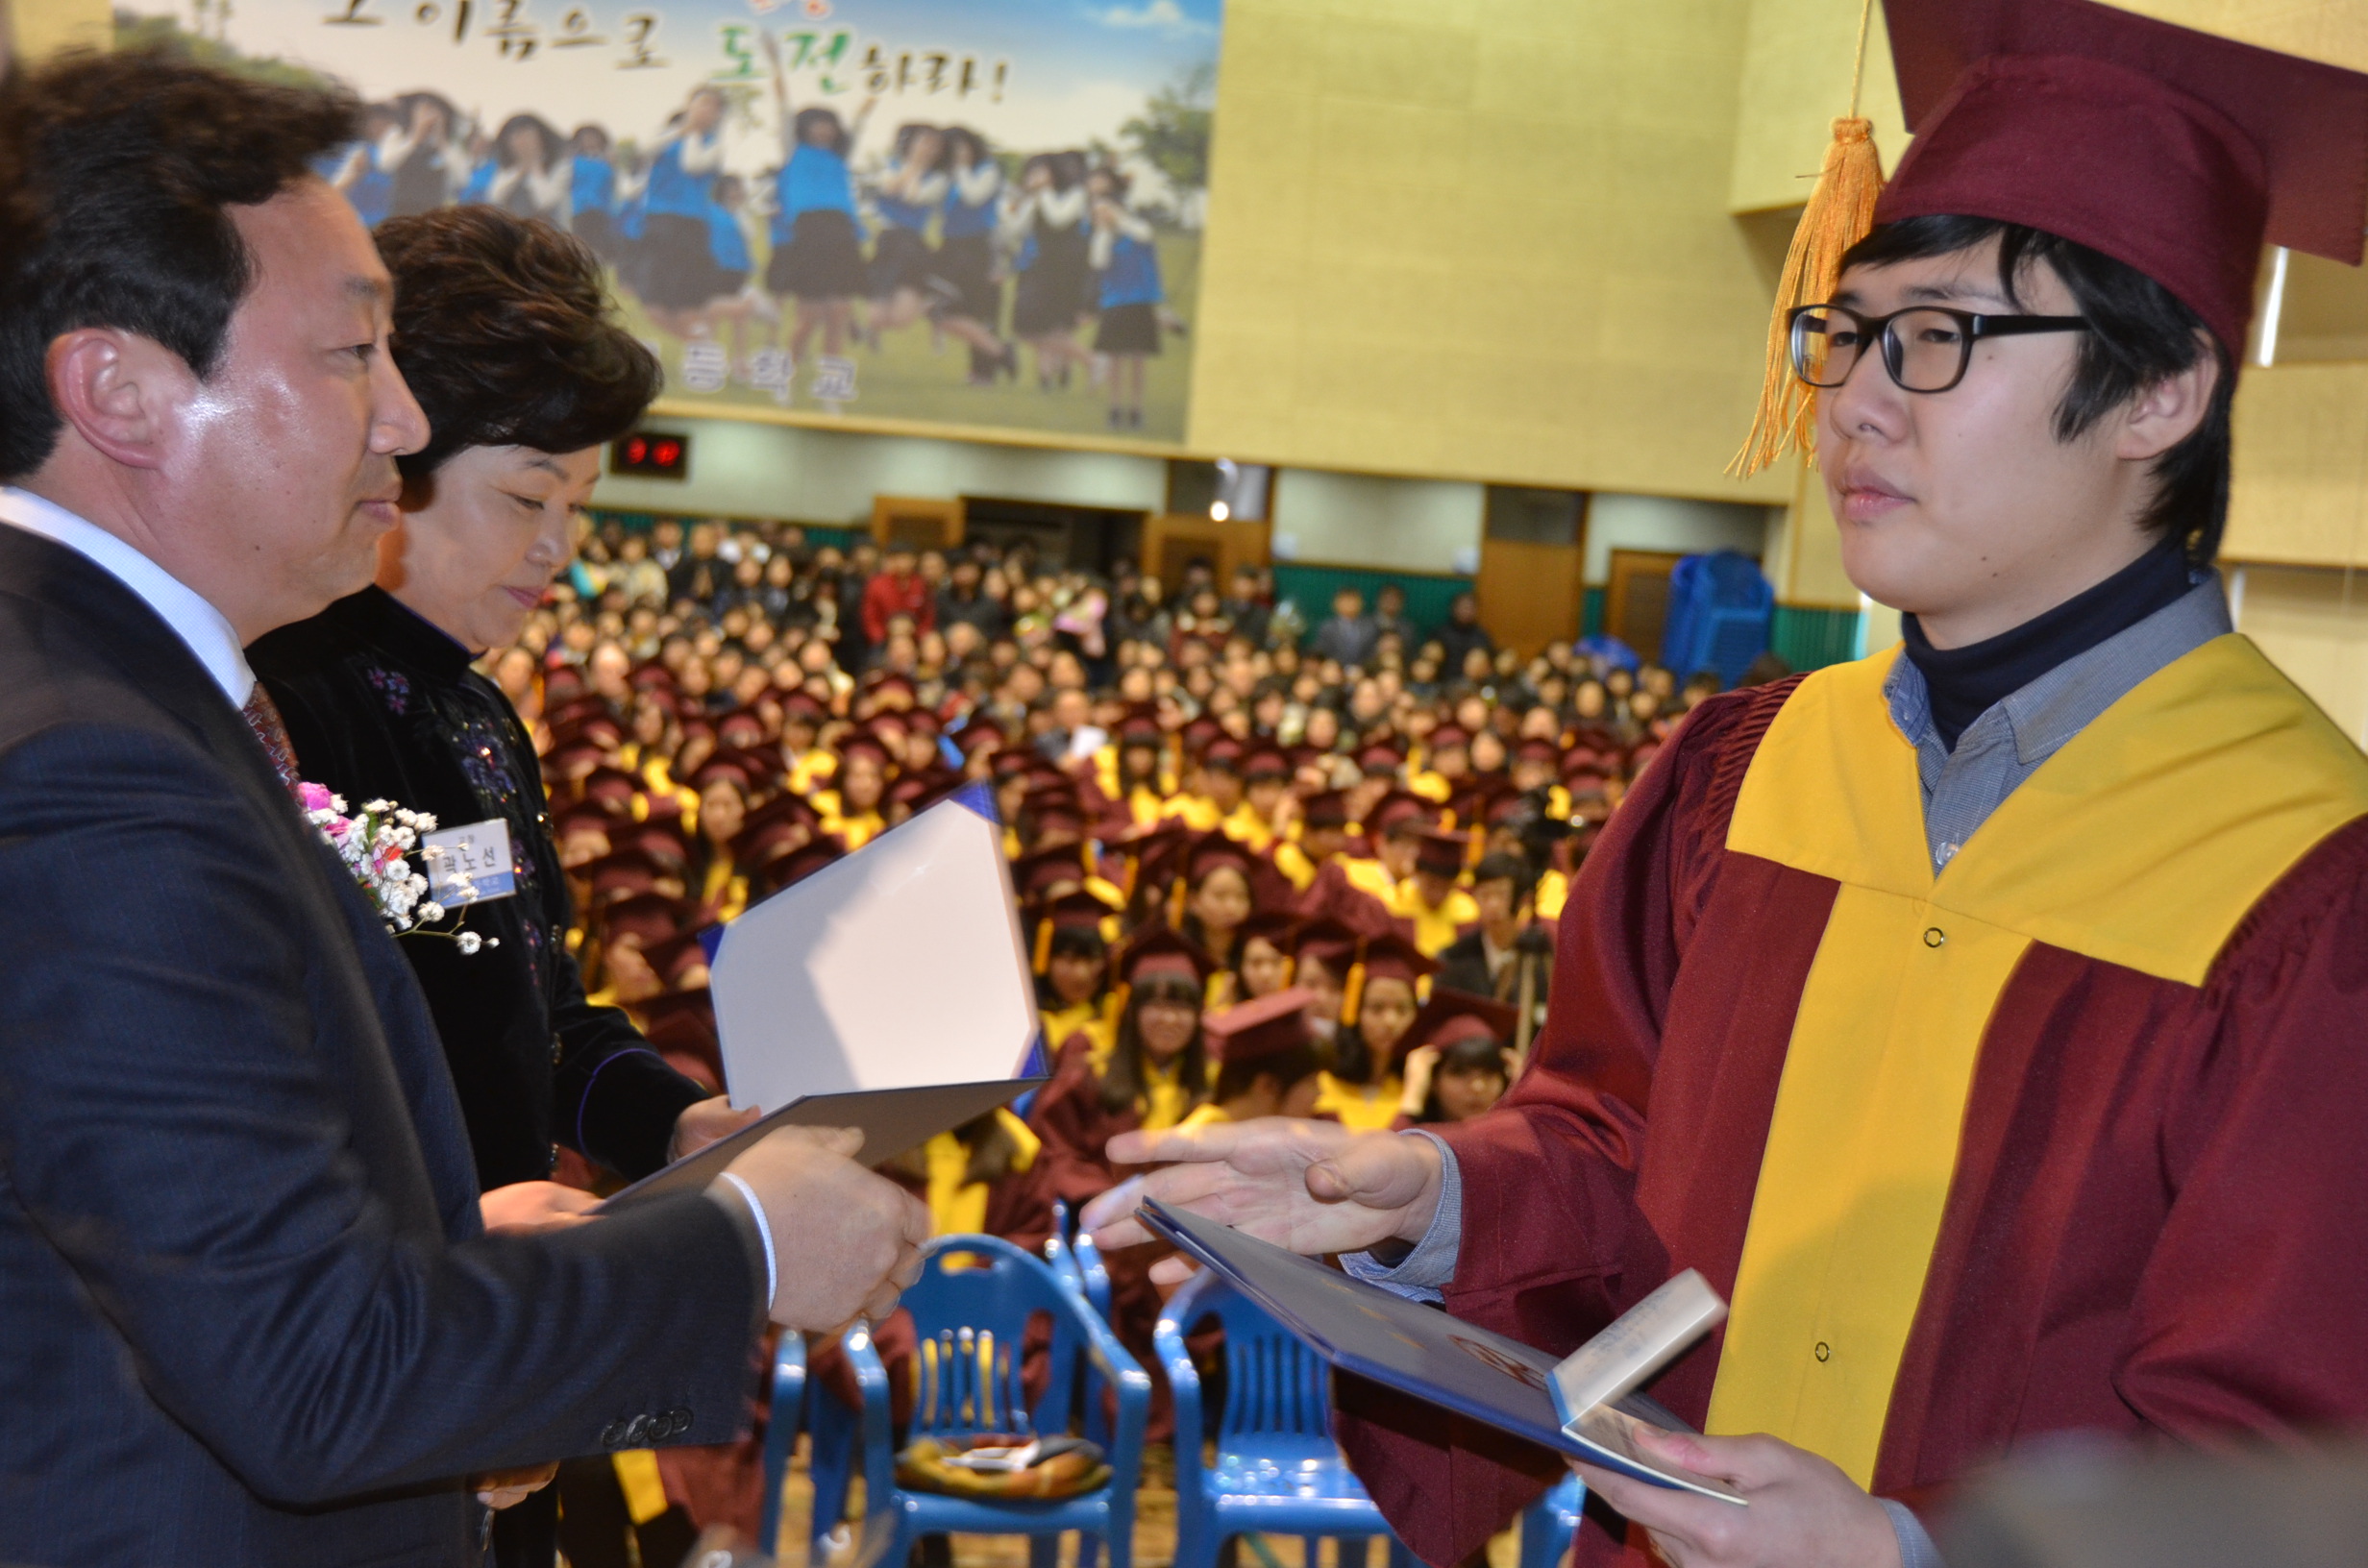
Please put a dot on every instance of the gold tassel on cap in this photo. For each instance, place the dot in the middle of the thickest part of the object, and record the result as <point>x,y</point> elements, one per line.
<point>1840,212</point>
<point>1043,945</point>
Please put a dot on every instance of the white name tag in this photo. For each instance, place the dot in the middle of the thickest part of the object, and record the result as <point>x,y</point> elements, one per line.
<point>474,864</point>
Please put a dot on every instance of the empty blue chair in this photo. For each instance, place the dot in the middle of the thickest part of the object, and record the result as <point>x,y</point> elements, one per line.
<point>1548,1524</point>
<point>781,1432</point>
<point>1720,611</point>
<point>1096,1273</point>
<point>970,1310</point>
<point>1278,1471</point>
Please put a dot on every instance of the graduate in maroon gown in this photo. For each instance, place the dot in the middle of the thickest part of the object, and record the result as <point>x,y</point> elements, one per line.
<point>1987,1020</point>
<point>1155,1074</point>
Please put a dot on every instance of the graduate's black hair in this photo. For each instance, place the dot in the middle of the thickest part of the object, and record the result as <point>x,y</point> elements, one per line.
<point>2140,335</point>
<point>506,337</point>
<point>1126,1078</point>
<point>1288,1068</point>
<point>1072,941</point>
<point>1474,1054</point>
<point>115,170</point>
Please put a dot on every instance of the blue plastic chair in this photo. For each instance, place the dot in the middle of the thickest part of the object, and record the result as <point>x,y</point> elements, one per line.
<point>781,1432</point>
<point>970,1310</point>
<point>1278,1471</point>
<point>1549,1524</point>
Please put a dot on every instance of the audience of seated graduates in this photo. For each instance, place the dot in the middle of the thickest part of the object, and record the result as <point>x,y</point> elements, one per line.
<point>1207,806</point>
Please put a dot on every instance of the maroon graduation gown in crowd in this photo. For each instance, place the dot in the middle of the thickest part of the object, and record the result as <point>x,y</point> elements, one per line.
<point>2155,1224</point>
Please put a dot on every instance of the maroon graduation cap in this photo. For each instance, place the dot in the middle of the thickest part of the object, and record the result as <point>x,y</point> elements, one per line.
<point>2170,150</point>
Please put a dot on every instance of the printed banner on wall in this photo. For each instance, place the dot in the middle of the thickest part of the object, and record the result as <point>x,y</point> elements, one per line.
<point>963,212</point>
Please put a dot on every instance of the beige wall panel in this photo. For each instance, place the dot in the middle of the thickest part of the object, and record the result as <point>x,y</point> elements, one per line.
<point>1795,81</point>
<point>2334,30</point>
<point>1481,241</point>
<point>2313,624</point>
<point>2301,489</point>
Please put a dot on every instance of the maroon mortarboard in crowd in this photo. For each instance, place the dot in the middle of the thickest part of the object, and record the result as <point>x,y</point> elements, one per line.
<point>1275,927</point>
<point>1267,1026</point>
<point>1402,811</point>
<point>610,787</point>
<point>1264,762</point>
<point>1046,873</point>
<point>1330,943</point>
<point>661,838</point>
<point>1389,956</point>
<point>1326,809</point>
<point>795,867</point>
<point>1159,950</point>
<point>1214,849</point>
<point>1451,1015</point>
<point>682,1025</point>
<point>2170,150</point>
<point>679,961</point>
<point>622,874</point>
<point>645,919</point>
<point>581,822</point>
<point>572,760</point>
<point>1441,854</point>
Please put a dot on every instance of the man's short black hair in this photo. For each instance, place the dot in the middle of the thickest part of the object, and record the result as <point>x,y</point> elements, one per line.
<point>114,173</point>
<point>2140,335</point>
<point>507,338</point>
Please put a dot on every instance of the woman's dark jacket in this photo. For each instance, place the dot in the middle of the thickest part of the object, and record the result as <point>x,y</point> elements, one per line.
<point>382,704</point>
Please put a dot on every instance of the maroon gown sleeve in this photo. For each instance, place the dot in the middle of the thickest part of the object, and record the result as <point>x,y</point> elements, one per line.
<point>1552,1245</point>
<point>2252,1314</point>
<point>1068,1116</point>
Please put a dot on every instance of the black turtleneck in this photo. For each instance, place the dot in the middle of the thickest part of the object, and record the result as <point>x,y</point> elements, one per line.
<point>1966,682</point>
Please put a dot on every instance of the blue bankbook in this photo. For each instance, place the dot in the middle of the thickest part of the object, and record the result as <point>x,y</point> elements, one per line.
<point>1585,1406</point>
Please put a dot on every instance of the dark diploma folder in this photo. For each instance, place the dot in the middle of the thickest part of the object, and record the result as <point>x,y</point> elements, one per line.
<point>892,1120</point>
<point>1459,1366</point>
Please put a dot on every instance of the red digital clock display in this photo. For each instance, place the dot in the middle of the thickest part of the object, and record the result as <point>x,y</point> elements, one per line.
<point>648,455</point>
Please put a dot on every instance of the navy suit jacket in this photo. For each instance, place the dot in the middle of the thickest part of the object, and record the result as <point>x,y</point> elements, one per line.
<point>248,1314</point>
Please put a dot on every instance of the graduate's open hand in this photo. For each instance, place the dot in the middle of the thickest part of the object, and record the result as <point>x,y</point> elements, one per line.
<point>1803,1514</point>
<point>1313,1187</point>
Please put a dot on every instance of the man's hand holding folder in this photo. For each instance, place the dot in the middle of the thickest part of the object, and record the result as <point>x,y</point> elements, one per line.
<point>840,1241</point>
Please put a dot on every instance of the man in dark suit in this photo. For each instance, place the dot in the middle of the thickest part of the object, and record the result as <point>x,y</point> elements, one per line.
<point>248,1313</point>
<point>1506,953</point>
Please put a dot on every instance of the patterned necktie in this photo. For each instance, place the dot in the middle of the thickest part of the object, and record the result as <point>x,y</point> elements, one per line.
<point>262,716</point>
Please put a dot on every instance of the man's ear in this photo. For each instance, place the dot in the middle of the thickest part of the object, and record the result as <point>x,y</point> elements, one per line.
<point>121,392</point>
<point>2172,410</point>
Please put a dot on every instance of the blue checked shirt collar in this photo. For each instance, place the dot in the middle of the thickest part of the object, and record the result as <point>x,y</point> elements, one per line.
<point>2008,743</point>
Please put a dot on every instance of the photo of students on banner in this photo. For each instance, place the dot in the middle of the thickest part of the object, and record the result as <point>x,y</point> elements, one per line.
<point>884,209</point>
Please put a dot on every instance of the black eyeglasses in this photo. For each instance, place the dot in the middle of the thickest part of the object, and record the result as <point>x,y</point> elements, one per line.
<point>1926,347</point>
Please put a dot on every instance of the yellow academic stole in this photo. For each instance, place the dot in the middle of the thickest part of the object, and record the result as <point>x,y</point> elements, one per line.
<point>2142,843</point>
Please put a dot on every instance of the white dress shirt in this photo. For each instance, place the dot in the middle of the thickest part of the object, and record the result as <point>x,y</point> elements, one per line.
<point>203,629</point>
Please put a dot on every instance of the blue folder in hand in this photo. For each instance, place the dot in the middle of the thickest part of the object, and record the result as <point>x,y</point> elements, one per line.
<point>1418,1350</point>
